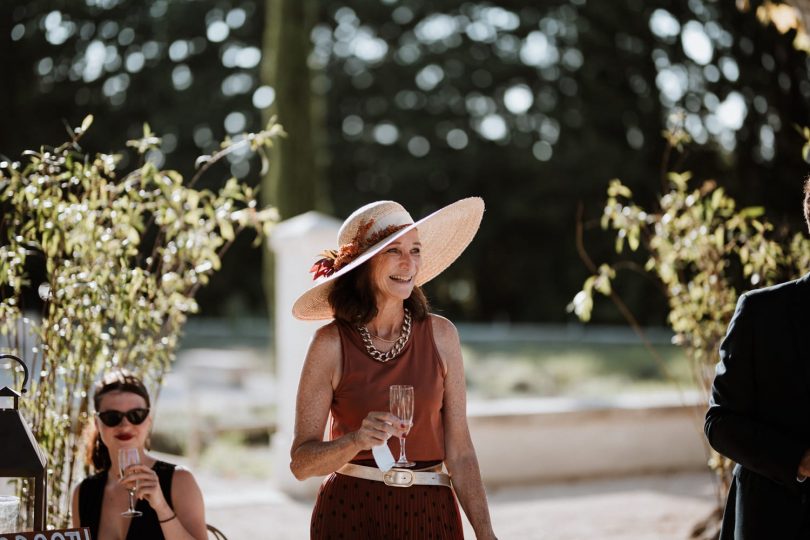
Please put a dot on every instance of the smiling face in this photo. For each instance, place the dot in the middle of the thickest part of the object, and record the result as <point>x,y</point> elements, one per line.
<point>394,269</point>
<point>125,434</point>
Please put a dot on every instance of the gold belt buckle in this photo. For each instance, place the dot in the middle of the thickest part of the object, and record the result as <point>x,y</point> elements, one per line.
<point>398,478</point>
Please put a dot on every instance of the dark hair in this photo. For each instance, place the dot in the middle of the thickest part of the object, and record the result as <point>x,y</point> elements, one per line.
<point>115,381</point>
<point>807,202</point>
<point>352,298</point>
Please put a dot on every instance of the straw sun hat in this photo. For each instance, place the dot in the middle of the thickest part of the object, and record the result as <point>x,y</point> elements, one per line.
<point>444,234</point>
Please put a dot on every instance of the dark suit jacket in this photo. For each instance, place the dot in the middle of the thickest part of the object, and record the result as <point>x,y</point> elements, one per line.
<point>759,414</point>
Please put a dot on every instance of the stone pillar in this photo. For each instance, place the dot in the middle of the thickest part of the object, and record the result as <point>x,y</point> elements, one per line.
<point>296,244</point>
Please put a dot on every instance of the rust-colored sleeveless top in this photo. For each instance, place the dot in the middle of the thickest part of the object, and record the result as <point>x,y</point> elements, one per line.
<point>363,388</point>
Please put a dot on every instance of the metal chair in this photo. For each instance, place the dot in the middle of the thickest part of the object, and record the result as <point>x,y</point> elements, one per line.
<point>215,533</point>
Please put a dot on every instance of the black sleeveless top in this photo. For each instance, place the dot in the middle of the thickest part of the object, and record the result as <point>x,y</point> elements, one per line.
<point>145,527</point>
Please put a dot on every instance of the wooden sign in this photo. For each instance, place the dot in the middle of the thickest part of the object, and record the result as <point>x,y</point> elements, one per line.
<point>61,534</point>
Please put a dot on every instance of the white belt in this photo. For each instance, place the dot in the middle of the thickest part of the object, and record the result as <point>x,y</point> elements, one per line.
<point>397,477</point>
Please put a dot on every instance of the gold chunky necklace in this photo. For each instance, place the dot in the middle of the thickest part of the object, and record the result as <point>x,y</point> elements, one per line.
<point>375,336</point>
<point>404,335</point>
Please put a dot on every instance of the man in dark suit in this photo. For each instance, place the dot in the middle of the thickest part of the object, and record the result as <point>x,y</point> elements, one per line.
<point>759,413</point>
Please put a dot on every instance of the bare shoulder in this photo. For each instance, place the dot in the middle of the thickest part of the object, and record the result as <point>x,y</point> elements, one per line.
<point>325,343</point>
<point>187,501</point>
<point>182,470</point>
<point>445,335</point>
<point>444,331</point>
<point>183,476</point>
<point>323,358</point>
<point>327,335</point>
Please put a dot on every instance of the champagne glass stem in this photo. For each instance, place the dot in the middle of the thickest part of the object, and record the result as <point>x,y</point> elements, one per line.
<point>131,500</point>
<point>402,458</point>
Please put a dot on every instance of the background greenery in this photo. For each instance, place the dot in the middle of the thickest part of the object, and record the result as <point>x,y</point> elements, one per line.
<point>533,107</point>
<point>571,370</point>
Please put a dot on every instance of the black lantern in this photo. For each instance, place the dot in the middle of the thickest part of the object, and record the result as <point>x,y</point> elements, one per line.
<point>22,457</point>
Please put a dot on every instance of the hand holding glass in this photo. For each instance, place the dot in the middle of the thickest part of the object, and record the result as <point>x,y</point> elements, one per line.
<point>127,457</point>
<point>401,402</point>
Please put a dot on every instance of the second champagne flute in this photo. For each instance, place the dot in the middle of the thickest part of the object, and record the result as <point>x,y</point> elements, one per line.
<point>401,402</point>
<point>127,457</point>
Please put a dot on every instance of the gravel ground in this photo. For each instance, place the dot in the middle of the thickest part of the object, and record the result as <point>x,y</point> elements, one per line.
<point>655,507</point>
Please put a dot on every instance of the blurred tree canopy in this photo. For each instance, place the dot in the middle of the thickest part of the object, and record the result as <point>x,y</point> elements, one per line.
<point>188,68</point>
<point>533,107</point>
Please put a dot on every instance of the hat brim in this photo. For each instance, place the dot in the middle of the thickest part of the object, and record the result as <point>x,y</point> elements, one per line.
<point>444,235</point>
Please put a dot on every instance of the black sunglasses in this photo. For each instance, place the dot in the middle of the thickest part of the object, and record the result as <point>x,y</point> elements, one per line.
<point>113,418</point>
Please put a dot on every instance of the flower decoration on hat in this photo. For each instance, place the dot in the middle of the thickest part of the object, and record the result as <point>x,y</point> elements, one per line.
<point>332,261</point>
<point>325,266</point>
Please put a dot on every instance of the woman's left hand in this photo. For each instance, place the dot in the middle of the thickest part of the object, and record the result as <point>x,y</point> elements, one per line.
<point>147,485</point>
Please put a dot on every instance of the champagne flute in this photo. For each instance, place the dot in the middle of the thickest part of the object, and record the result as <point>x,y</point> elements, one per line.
<point>401,402</point>
<point>127,457</point>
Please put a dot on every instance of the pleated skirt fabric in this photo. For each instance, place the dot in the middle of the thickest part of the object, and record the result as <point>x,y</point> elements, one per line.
<point>351,508</point>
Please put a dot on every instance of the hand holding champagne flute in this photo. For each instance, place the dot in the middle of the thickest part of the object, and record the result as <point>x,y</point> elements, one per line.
<point>401,402</point>
<point>128,457</point>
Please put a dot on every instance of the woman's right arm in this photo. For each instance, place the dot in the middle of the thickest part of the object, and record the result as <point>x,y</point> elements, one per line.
<point>74,508</point>
<point>310,454</point>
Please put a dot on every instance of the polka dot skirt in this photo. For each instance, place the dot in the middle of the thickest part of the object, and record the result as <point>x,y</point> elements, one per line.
<point>353,508</point>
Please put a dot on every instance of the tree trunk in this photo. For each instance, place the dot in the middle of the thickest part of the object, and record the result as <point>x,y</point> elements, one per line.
<point>293,183</point>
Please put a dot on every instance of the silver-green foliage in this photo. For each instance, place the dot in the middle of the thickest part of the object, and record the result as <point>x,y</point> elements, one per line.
<point>698,246</point>
<point>123,258</point>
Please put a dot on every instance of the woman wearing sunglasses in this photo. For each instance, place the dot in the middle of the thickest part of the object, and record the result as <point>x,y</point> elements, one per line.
<point>167,495</point>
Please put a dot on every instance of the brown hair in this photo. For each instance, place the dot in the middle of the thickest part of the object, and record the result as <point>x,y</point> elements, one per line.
<point>120,380</point>
<point>807,202</point>
<point>352,298</point>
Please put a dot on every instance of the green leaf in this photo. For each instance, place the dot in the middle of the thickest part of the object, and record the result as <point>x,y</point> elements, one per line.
<point>680,180</point>
<point>267,228</point>
<point>265,163</point>
<point>617,189</point>
<point>582,303</point>
<point>133,236</point>
<point>717,198</point>
<point>633,238</point>
<point>603,286</point>
<point>192,198</point>
<point>135,286</point>
<point>720,237</point>
<point>86,123</point>
<point>751,212</point>
<point>226,230</point>
<point>619,244</point>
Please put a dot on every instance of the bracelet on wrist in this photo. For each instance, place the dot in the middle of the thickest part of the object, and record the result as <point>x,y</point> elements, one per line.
<point>167,519</point>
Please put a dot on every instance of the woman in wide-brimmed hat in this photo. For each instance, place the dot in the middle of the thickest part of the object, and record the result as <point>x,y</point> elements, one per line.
<point>384,335</point>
